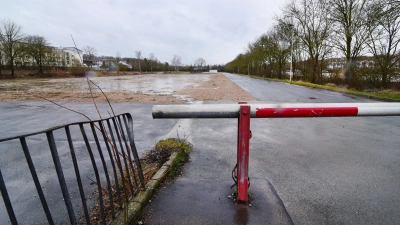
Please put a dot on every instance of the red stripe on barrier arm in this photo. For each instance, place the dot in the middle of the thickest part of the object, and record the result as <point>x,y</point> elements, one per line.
<point>307,112</point>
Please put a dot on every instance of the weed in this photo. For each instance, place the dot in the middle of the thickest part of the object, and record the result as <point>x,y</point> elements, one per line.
<point>164,148</point>
<point>177,164</point>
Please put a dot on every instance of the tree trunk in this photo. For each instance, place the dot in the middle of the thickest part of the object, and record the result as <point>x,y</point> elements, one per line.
<point>384,82</point>
<point>40,66</point>
<point>315,70</point>
<point>348,59</point>
<point>1,62</point>
<point>12,68</point>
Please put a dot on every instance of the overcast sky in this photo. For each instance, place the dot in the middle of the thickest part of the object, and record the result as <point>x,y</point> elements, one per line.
<point>216,30</point>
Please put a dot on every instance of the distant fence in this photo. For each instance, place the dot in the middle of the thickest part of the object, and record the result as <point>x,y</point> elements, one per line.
<point>65,167</point>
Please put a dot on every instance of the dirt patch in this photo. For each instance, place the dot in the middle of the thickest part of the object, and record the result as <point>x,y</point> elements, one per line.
<point>151,88</point>
<point>74,96</point>
<point>218,88</point>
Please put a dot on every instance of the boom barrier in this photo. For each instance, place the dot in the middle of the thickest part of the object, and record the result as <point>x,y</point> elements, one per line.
<point>276,110</point>
<point>244,112</point>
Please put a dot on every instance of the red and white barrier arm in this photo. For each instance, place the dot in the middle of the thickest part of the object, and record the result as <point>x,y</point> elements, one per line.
<point>277,110</point>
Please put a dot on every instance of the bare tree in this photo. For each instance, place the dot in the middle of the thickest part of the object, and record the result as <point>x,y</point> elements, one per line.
<point>200,62</point>
<point>138,57</point>
<point>313,29</point>
<point>89,52</point>
<point>152,59</point>
<point>269,47</point>
<point>38,48</point>
<point>1,58</point>
<point>11,41</point>
<point>280,36</point>
<point>176,62</point>
<point>384,38</point>
<point>118,57</point>
<point>256,57</point>
<point>349,19</point>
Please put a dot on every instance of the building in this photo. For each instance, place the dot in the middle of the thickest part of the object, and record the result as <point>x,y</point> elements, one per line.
<point>67,56</point>
<point>62,56</point>
<point>124,63</point>
<point>95,63</point>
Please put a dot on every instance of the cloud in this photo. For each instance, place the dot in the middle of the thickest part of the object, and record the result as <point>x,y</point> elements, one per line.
<point>214,30</point>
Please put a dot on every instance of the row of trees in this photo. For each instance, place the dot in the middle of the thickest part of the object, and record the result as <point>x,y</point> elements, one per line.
<point>145,64</point>
<point>17,48</point>
<point>310,33</point>
<point>15,45</point>
<point>149,64</point>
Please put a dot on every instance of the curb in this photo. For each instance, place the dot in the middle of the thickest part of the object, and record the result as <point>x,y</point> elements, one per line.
<point>137,204</point>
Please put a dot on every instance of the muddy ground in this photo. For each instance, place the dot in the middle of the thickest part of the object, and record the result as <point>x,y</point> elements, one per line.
<point>149,88</point>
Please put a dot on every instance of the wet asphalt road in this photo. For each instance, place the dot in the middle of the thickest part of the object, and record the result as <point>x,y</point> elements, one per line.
<point>325,170</point>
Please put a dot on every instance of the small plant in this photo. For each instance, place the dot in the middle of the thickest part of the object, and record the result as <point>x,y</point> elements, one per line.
<point>164,148</point>
<point>180,159</point>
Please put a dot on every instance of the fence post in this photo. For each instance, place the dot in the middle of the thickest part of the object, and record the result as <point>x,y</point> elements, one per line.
<point>243,152</point>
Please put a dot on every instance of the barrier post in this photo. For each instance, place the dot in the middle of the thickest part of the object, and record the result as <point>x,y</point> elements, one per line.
<point>243,152</point>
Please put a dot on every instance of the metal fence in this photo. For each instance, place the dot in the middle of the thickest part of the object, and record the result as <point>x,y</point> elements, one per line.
<point>112,173</point>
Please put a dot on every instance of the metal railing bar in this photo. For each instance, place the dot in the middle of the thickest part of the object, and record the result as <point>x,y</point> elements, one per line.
<point>106,139</point>
<point>133,147</point>
<point>123,154</point>
<point>96,172</point>
<point>103,162</point>
<point>61,178</point>
<point>7,202</point>
<point>78,176</point>
<point>129,127</point>
<point>118,159</point>
<point>52,129</point>
<point>36,180</point>
<point>128,150</point>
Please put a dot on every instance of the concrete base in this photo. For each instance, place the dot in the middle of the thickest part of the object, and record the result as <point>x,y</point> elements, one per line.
<point>205,201</point>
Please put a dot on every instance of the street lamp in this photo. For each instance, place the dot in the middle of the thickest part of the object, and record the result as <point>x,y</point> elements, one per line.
<point>291,52</point>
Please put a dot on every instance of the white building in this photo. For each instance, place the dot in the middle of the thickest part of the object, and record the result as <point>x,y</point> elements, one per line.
<point>68,56</point>
<point>62,56</point>
<point>125,64</point>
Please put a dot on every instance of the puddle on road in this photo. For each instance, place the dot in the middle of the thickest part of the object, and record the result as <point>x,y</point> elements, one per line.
<point>149,88</point>
<point>149,84</point>
<point>146,84</point>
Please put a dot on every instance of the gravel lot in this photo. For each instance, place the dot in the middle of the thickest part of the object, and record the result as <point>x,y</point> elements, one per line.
<point>149,88</point>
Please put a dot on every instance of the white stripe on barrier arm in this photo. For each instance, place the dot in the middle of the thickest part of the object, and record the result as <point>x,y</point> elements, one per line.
<point>378,111</point>
<point>277,110</point>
